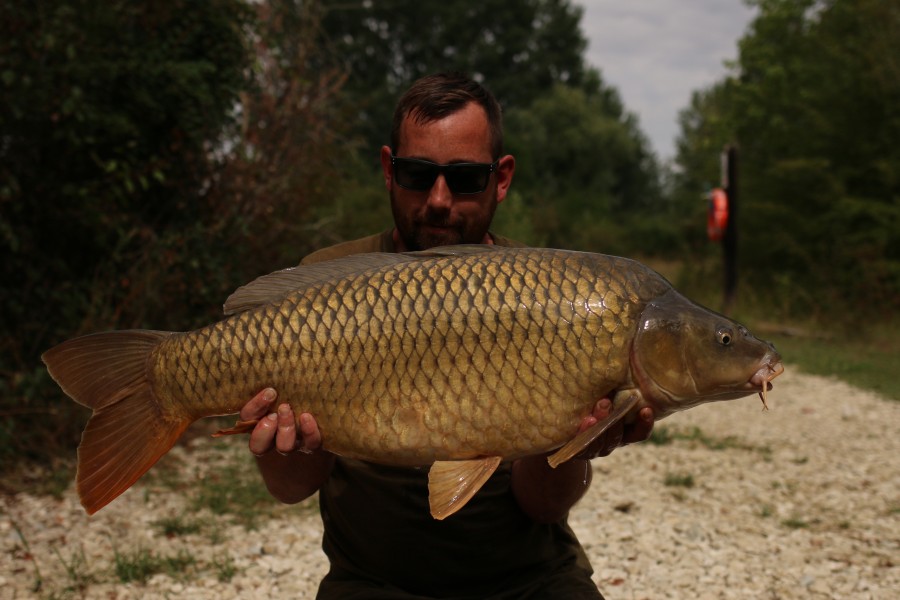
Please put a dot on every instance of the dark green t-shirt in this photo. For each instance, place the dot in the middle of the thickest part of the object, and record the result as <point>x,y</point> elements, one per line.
<point>383,543</point>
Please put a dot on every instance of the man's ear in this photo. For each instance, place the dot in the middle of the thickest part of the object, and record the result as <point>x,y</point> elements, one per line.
<point>505,171</point>
<point>386,166</point>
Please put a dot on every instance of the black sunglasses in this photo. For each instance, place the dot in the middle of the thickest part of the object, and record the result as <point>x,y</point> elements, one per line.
<point>462,178</point>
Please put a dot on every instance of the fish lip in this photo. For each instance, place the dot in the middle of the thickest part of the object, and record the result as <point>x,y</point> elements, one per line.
<point>763,377</point>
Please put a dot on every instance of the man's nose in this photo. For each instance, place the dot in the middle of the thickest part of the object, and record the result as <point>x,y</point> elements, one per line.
<point>440,197</point>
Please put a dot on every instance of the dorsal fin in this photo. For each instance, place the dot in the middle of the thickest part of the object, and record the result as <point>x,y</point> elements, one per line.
<point>457,250</point>
<point>275,286</point>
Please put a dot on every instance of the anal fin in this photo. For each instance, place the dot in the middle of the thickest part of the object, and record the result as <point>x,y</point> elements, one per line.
<point>622,404</point>
<point>452,483</point>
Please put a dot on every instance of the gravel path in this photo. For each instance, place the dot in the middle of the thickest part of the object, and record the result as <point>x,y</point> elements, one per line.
<point>802,501</point>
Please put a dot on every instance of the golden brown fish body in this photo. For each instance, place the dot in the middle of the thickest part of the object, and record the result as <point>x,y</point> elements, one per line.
<point>471,354</point>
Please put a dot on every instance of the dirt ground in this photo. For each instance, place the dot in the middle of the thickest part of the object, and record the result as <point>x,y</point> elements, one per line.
<point>802,501</point>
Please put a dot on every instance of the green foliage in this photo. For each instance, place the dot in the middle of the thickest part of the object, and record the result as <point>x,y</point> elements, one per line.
<point>583,169</point>
<point>359,207</point>
<point>520,48</point>
<point>513,219</point>
<point>813,105</point>
<point>106,112</point>
<point>153,157</point>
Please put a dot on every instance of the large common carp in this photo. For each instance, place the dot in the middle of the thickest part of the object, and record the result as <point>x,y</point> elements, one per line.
<point>457,357</point>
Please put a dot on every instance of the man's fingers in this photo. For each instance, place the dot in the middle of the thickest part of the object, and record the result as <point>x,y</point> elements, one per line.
<point>263,434</point>
<point>286,439</point>
<point>586,423</point>
<point>642,427</point>
<point>612,439</point>
<point>600,412</point>
<point>309,430</point>
<point>258,406</point>
<point>602,409</point>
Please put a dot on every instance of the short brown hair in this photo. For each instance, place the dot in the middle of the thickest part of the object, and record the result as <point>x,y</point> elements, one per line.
<point>436,96</point>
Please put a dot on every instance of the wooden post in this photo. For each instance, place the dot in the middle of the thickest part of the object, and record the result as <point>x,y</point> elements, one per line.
<point>729,240</point>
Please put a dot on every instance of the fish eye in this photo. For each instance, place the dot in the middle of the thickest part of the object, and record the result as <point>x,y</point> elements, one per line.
<point>724,336</point>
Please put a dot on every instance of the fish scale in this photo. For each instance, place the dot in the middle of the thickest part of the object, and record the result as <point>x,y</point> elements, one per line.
<point>495,345</point>
<point>463,355</point>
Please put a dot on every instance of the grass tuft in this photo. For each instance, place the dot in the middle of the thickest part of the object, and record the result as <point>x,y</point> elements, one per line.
<point>224,567</point>
<point>141,564</point>
<point>664,435</point>
<point>685,480</point>
<point>77,571</point>
<point>235,489</point>
<point>178,526</point>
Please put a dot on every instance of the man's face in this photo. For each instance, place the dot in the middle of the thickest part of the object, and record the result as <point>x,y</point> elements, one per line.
<point>438,217</point>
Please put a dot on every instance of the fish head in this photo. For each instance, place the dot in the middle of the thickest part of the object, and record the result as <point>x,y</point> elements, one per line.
<point>684,355</point>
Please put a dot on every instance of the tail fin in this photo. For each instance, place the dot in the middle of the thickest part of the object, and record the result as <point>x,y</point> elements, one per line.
<point>128,431</point>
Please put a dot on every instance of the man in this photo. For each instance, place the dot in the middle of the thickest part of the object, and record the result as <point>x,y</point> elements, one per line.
<point>446,174</point>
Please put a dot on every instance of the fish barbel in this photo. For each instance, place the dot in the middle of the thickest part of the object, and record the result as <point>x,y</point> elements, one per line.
<point>458,358</point>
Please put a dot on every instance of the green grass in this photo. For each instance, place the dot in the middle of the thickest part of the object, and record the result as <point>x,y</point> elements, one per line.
<point>235,489</point>
<point>869,360</point>
<point>224,567</point>
<point>685,480</point>
<point>77,570</point>
<point>795,523</point>
<point>38,578</point>
<point>141,564</point>
<point>178,525</point>
<point>663,435</point>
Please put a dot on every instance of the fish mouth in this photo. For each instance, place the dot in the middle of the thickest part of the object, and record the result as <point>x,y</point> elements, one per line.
<point>759,382</point>
<point>762,379</point>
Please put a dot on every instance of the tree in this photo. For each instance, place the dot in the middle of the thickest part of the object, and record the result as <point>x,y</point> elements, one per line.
<point>107,115</point>
<point>153,157</point>
<point>521,48</point>
<point>814,106</point>
<point>582,163</point>
<point>706,128</point>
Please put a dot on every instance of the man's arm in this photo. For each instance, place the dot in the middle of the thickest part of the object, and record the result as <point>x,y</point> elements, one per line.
<point>292,472</point>
<point>546,494</point>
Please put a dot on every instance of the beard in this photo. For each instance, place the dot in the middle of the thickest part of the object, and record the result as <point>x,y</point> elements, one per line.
<point>435,227</point>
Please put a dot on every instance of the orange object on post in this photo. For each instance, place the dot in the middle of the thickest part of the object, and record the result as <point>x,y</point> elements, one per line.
<point>717,215</point>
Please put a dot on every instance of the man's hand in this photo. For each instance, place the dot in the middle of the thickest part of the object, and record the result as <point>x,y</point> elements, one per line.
<point>289,476</point>
<point>619,434</point>
<point>278,430</point>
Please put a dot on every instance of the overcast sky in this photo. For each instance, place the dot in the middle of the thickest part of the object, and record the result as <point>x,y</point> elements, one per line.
<point>656,52</point>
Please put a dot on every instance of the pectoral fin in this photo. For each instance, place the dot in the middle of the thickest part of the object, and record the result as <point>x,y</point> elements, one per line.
<point>452,483</point>
<point>238,428</point>
<point>622,404</point>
